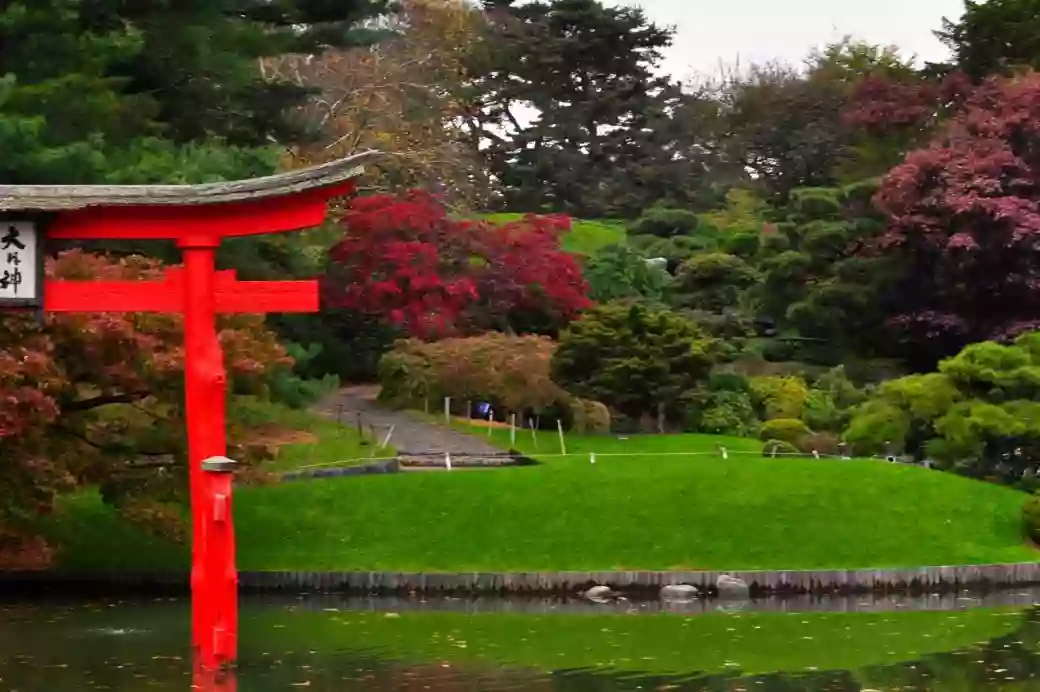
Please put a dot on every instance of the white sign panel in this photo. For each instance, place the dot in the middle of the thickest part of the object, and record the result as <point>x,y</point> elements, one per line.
<point>20,259</point>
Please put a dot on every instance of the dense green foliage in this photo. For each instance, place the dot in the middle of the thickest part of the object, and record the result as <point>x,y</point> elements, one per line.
<point>606,119</point>
<point>995,36</point>
<point>149,92</point>
<point>977,415</point>
<point>1031,518</point>
<point>637,360</point>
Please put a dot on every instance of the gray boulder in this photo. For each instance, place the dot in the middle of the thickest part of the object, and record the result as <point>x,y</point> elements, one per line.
<point>679,592</point>
<point>731,587</point>
<point>600,594</point>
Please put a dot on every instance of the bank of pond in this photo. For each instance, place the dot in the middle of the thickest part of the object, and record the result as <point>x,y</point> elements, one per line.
<point>329,644</point>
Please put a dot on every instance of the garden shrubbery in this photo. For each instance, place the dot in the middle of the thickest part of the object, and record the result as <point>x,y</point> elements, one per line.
<point>789,430</point>
<point>509,372</point>
<point>665,223</point>
<point>1031,518</point>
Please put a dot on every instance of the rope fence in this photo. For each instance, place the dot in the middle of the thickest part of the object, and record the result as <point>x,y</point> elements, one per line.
<point>723,453</point>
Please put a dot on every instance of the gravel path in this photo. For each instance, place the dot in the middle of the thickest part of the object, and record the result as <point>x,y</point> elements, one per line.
<point>411,435</point>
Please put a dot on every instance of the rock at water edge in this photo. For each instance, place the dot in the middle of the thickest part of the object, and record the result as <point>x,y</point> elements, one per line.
<point>731,587</point>
<point>679,592</point>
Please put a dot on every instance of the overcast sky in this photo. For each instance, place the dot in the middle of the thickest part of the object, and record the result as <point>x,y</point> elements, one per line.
<point>758,30</point>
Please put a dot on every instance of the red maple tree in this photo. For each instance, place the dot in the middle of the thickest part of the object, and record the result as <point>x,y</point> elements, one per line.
<point>406,259</point>
<point>964,219</point>
<point>97,398</point>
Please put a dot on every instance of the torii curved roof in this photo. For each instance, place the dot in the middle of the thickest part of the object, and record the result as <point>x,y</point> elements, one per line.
<point>43,198</point>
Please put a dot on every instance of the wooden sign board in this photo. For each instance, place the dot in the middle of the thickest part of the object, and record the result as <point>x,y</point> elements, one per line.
<point>21,264</point>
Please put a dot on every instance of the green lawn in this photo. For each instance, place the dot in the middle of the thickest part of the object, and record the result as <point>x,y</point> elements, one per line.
<point>643,511</point>
<point>586,235</point>
<point>547,442</point>
<point>331,443</point>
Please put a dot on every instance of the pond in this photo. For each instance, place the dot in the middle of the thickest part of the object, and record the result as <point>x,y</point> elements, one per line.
<point>958,642</point>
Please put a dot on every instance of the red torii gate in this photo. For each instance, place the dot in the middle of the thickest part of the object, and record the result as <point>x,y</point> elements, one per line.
<point>197,217</point>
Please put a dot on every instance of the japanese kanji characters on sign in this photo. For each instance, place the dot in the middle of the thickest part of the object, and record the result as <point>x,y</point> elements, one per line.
<point>19,264</point>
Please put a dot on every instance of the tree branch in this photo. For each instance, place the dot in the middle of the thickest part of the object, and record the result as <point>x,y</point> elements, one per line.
<point>102,400</point>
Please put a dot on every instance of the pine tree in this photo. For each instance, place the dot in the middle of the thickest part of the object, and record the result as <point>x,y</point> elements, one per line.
<point>147,90</point>
<point>599,143</point>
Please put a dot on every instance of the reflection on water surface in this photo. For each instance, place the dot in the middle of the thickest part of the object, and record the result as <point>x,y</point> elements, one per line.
<point>957,643</point>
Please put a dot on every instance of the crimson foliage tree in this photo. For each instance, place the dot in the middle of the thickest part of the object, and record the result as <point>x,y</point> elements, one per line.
<point>406,260</point>
<point>964,220</point>
<point>98,399</point>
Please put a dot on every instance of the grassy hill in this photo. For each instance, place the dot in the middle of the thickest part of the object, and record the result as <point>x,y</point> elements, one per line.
<point>586,236</point>
<point>651,508</point>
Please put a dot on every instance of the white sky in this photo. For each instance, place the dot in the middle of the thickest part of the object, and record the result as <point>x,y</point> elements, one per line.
<point>710,31</point>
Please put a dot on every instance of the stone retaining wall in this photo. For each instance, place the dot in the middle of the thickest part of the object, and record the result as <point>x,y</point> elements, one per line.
<point>385,466</point>
<point>465,460</point>
<point>403,461</point>
<point>786,583</point>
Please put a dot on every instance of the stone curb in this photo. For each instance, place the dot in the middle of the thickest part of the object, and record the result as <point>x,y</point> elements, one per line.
<point>402,461</point>
<point>636,583</point>
<point>388,466</point>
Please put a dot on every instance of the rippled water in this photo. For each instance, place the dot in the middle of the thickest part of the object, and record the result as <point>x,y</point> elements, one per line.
<point>956,643</point>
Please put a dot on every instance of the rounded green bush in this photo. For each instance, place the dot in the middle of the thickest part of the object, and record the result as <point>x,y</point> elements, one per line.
<point>789,430</point>
<point>1031,518</point>
<point>778,448</point>
<point>743,244</point>
<point>826,443</point>
<point>778,350</point>
<point>665,223</point>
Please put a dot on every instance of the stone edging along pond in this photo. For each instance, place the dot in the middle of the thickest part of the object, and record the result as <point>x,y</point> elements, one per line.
<point>404,462</point>
<point>636,583</point>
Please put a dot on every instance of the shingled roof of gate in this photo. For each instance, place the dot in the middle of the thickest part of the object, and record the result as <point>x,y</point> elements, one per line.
<point>69,197</point>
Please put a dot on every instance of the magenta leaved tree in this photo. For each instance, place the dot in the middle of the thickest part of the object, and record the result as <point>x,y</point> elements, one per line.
<point>406,260</point>
<point>964,223</point>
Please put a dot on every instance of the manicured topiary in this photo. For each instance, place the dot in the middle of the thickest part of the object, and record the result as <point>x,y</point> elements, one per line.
<point>778,448</point>
<point>1031,518</point>
<point>790,430</point>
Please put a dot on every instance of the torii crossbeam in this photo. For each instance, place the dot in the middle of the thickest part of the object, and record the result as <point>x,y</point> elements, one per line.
<point>197,217</point>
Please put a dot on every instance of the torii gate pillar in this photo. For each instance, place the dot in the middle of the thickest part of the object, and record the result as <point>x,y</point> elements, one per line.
<point>197,217</point>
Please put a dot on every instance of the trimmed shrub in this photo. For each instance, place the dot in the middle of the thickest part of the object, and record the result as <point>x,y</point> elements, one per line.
<point>779,397</point>
<point>778,350</point>
<point>822,413</point>
<point>826,443</point>
<point>632,358</point>
<point>720,412</point>
<point>665,223</point>
<point>789,430</point>
<point>511,372</point>
<point>1031,518</point>
<point>589,417</point>
<point>744,245</point>
<point>713,281</point>
<point>778,447</point>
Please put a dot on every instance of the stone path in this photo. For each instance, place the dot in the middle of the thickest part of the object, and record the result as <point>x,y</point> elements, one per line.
<point>411,434</point>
